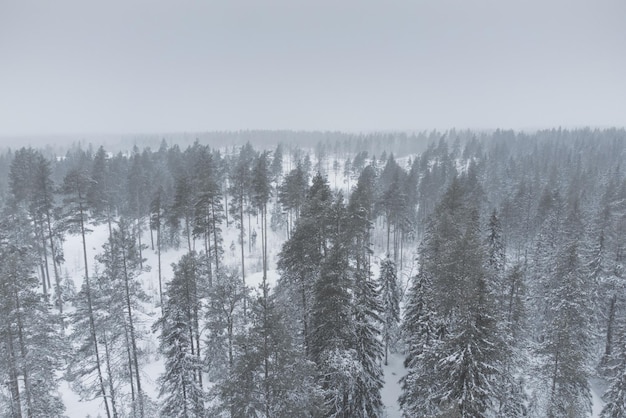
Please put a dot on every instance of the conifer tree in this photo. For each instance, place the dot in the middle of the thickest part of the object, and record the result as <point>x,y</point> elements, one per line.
<point>270,377</point>
<point>455,348</point>
<point>75,186</point>
<point>30,346</point>
<point>615,396</point>
<point>121,261</point>
<point>566,345</point>
<point>180,386</point>
<point>240,189</point>
<point>332,334</point>
<point>390,293</point>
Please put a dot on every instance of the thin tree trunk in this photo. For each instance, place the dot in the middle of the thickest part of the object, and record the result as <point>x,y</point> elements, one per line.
<point>401,248</point>
<point>16,402</point>
<point>45,261</point>
<point>249,234</point>
<point>57,279</point>
<point>388,235</point>
<point>608,346</point>
<point>107,358</point>
<point>207,243</point>
<point>43,280</point>
<point>243,267</point>
<point>215,246</point>
<point>265,238</point>
<point>41,263</point>
<point>266,353</point>
<point>305,326</point>
<point>139,242</point>
<point>132,328</point>
<point>226,208</point>
<point>188,232</point>
<point>151,236</point>
<point>196,325</point>
<point>92,323</point>
<point>23,353</point>
<point>130,363</point>
<point>554,375</point>
<point>159,259</point>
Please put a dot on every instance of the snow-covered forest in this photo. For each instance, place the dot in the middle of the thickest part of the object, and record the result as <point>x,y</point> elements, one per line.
<point>455,274</point>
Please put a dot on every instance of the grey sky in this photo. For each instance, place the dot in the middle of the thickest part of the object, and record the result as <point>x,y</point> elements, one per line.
<point>126,66</point>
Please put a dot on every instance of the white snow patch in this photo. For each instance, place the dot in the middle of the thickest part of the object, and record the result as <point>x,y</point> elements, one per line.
<point>394,371</point>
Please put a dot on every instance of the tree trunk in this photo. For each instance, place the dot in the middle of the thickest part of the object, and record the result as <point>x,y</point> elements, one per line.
<point>139,242</point>
<point>57,278</point>
<point>305,325</point>
<point>132,329</point>
<point>388,235</point>
<point>129,356</point>
<point>107,359</point>
<point>249,234</point>
<point>151,238</point>
<point>608,346</point>
<point>243,267</point>
<point>207,243</point>
<point>92,323</point>
<point>159,259</point>
<point>16,402</point>
<point>215,246</point>
<point>23,353</point>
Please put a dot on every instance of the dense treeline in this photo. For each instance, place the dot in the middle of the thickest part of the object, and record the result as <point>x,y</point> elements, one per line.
<point>491,262</point>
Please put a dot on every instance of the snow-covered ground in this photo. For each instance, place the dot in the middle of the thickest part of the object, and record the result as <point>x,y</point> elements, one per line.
<point>74,269</point>
<point>394,371</point>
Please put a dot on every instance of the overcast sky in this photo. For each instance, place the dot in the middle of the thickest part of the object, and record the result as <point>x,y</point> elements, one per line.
<point>131,66</point>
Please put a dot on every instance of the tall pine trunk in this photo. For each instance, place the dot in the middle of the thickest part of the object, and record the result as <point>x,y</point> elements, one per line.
<point>57,278</point>
<point>243,267</point>
<point>215,245</point>
<point>16,401</point>
<point>107,359</point>
<point>159,259</point>
<point>92,323</point>
<point>23,353</point>
<point>131,325</point>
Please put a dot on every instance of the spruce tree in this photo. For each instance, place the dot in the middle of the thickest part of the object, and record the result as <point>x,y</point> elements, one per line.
<point>566,344</point>
<point>615,396</point>
<point>390,293</point>
<point>180,389</point>
<point>455,347</point>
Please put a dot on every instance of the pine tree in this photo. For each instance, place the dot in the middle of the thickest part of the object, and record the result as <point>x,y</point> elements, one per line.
<point>156,221</point>
<point>121,261</point>
<point>30,347</point>
<point>208,207</point>
<point>75,186</point>
<point>262,192</point>
<point>224,320</point>
<point>32,186</point>
<point>292,194</point>
<point>240,189</point>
